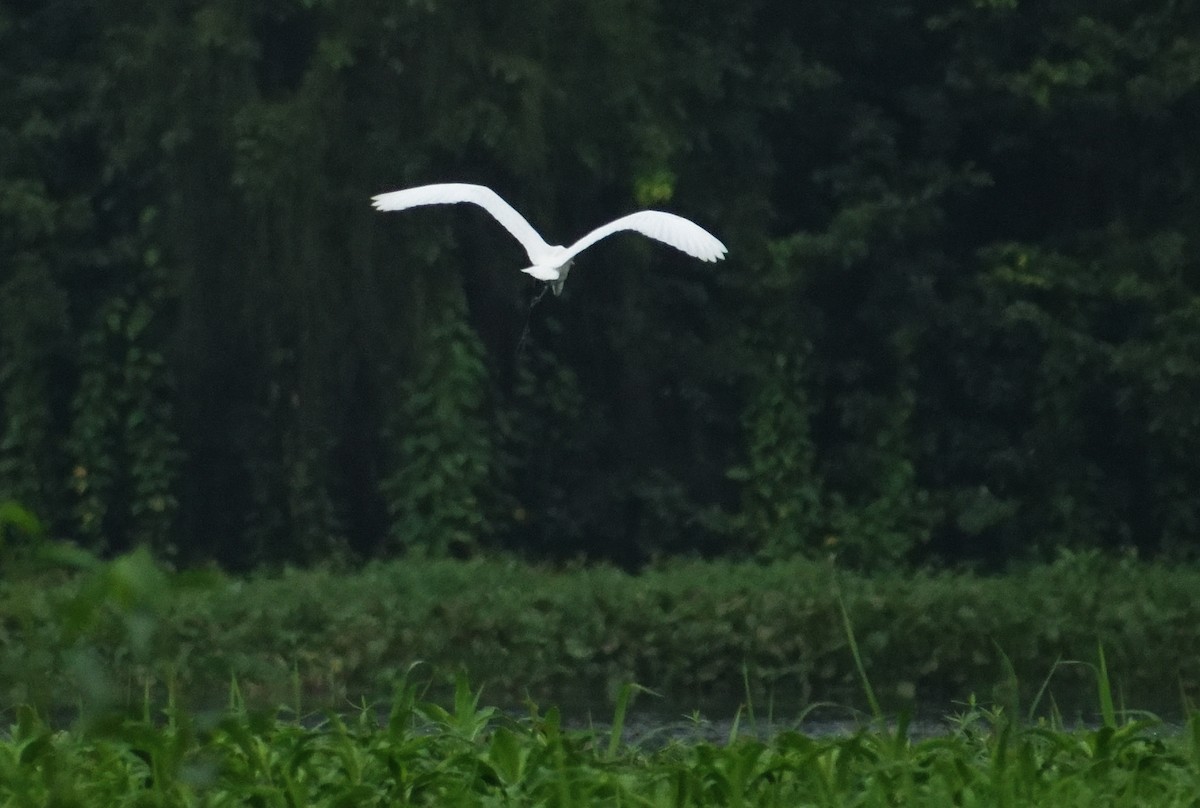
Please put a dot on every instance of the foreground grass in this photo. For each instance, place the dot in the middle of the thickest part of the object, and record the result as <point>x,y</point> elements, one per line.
<point>423,754</point>
<point>102,638</point>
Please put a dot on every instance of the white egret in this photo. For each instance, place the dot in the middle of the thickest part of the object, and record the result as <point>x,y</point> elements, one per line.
<point>551,263</point>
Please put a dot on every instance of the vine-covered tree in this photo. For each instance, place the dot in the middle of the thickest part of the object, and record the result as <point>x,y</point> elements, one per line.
<point>959,319</point>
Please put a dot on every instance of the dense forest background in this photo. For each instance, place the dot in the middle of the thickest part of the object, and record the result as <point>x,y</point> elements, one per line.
<point>959,321</point>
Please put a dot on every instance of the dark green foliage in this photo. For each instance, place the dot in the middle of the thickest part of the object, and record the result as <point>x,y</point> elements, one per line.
<point>782,489</point>
<point>958,320</point>
<point>123,449</point>
<point>134,646</point>
<point>441,465</point>
<point>34,322</point>
<point>552,446</point>
<point>692,632</point>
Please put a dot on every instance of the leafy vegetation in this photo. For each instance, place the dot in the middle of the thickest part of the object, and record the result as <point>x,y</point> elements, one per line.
<point>425,754</point>
<point>959,318</point>
<point>696,632</point>
<point>132,651</point>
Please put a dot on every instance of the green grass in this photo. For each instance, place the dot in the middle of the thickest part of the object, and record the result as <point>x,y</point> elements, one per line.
<point>115,666</point>
<point>425,754</point>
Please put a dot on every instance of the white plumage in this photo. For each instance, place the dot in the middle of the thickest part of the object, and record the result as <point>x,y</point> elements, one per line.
<point>551,263</point>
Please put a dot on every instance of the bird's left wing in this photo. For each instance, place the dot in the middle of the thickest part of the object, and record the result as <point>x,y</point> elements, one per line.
<point>668,228</point>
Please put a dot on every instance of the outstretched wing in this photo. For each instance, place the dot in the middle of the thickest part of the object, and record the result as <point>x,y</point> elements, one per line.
<point>452,192</point>
<point>668,228</point>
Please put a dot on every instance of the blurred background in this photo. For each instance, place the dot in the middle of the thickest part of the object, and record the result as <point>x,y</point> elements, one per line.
<point>958,324</point>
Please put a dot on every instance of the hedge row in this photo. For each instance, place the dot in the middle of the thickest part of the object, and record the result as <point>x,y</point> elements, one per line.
<point>691,631</point>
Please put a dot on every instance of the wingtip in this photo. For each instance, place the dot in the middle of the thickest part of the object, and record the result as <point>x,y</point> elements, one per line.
<point>389,200</point>
<point>718,253</point>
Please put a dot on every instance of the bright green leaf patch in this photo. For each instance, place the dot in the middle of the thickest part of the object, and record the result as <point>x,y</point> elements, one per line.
<point>480,756</point>
<point>135,654</point>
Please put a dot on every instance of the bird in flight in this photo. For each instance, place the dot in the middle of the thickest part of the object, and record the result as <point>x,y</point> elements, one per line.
<point>551,263</point>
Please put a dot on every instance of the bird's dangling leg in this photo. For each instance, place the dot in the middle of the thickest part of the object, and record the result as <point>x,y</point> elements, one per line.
<point>529,316</point>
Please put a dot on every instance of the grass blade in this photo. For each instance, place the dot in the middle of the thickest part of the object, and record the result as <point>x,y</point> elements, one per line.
<point>1107,711</point>
<point>858,663</point>
<point>618,724</point>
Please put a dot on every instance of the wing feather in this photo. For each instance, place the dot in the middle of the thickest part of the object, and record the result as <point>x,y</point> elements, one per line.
<point>678,232</point>
<point>453,192</point>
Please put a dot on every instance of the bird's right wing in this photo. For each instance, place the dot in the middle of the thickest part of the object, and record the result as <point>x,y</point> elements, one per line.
<point>452,192</point>
<point>668,228</point>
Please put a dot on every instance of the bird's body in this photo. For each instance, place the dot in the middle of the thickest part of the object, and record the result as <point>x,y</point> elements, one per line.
<point>550,262</point>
